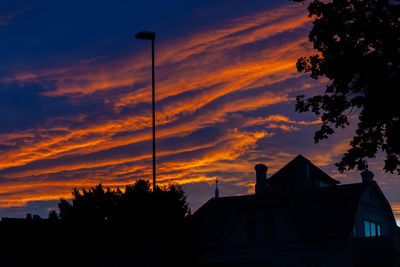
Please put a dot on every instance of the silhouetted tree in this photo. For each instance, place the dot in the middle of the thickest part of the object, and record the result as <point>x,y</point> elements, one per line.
<point>94,205</point>
<point>357,45</point>
<point>118,225</point>
<point>53,216</point>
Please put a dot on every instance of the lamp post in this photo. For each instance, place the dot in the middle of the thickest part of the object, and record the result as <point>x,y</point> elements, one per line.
<point>145,35</point>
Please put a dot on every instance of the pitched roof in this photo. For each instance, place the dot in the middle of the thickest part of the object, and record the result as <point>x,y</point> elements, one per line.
<point>325,212</point>
<point>215,216</point>
<point>297,169</point>
<point>316,212</point>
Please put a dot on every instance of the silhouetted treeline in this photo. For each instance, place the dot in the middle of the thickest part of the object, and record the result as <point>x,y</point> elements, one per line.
<point>105,227</point>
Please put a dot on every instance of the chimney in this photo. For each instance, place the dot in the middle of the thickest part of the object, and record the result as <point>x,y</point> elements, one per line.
<point>367,176</point>
<point>261,178</point>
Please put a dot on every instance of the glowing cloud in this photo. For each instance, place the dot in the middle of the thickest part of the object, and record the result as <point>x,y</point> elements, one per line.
<point>224,102</point>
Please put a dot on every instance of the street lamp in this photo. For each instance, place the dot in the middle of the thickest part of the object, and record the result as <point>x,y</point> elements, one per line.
<point>145,35</point>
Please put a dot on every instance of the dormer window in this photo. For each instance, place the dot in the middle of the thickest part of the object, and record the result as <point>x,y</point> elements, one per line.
<point>322,184</point>
<point>372,229</point>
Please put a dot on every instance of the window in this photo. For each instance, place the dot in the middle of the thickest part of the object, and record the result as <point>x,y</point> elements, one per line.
<point>367,231</point>
<point>322,184</point>
<point>372,229</point>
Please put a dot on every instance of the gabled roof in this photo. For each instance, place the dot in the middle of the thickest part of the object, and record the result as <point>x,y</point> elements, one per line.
<point>215,216</point>
<point>296,169</point>
<point>326,212</point>
<point>315,212</point>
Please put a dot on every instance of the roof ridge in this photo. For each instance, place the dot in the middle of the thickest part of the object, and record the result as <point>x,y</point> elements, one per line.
<point>294,168</point>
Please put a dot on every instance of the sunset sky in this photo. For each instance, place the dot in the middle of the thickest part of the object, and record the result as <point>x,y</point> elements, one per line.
<point>75,98</point>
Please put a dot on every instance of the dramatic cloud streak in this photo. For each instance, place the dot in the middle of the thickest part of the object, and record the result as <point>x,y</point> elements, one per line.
<point>225,97</point>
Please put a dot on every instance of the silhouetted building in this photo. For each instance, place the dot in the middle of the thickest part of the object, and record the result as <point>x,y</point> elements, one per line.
<point>300,216</point>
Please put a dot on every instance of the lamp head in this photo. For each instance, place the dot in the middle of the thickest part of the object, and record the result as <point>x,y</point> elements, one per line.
<point>146,35</point>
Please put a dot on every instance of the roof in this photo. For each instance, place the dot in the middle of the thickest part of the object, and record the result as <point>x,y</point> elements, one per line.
<point>325,212</point>
<point>315,212</point>
<point>216,214</point>
<point>297,169</point>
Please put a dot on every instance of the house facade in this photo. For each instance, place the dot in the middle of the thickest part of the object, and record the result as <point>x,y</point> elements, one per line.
<point>300,216</point>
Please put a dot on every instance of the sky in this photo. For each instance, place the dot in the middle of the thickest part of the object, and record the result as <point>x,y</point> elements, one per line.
<point>75,98</point>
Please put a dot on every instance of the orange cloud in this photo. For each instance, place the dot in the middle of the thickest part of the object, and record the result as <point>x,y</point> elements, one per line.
<point>90,77</point>
<point>202,81</point>
<point>396,210</point>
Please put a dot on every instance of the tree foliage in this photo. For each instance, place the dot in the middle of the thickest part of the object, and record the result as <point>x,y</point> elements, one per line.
<point>357,43</point>
<point>133,226</point>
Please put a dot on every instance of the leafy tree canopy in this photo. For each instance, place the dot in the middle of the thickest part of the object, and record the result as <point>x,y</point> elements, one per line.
<point>134,225</point>
<point>358,50</point>
<point>99,205</point>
